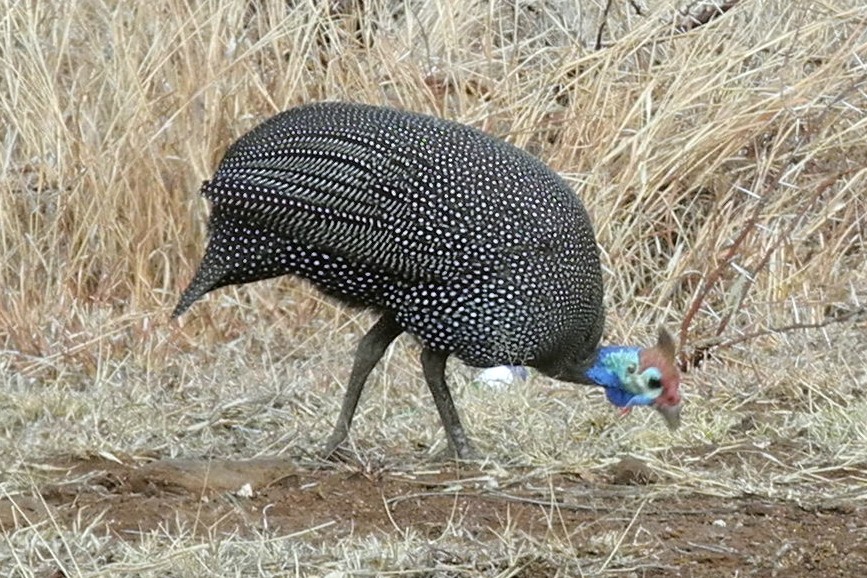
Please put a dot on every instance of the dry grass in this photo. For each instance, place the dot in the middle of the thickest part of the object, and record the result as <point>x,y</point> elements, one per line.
<point>725,170</point>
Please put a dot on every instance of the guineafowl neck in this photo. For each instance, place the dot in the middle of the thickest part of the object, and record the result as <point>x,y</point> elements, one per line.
<point>577,351</point>
<point>611,362</point>
<point>569,366</point>
<point>599,368</point>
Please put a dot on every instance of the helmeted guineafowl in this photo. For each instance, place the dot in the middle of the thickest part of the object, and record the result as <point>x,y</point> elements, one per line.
<point>464,241</point>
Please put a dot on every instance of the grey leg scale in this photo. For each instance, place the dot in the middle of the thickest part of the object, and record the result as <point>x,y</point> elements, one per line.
<point>370,350</point>
<point>434,364</point>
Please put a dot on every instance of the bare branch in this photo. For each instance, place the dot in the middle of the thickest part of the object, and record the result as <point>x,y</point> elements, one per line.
<point>702,349</point>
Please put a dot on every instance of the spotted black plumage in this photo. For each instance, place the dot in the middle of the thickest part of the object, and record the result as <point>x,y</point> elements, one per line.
<point>458,238</point>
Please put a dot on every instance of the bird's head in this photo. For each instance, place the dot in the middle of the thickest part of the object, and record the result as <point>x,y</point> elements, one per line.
<point>634,376</point>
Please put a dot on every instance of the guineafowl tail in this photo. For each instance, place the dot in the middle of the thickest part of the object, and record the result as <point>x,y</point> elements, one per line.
<point>239,251</point>
<point>209,276</point>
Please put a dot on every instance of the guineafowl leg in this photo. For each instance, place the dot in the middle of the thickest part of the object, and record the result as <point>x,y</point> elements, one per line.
<point>370,350</point>
<point>434,366</point>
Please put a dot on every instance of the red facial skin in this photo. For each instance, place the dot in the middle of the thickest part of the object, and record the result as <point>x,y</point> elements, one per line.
<point>655,357</point>
<point>661,356</point>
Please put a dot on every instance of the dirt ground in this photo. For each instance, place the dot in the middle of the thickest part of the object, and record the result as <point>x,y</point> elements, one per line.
<point>668,532</point>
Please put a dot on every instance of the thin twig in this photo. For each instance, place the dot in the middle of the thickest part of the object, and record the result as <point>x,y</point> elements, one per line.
<point>700,350</point>
<point>636,7</point>
<point>717,273</point>
<point>601,28</point>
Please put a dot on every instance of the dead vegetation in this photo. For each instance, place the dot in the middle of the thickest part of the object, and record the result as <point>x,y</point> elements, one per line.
<point>725,167</point>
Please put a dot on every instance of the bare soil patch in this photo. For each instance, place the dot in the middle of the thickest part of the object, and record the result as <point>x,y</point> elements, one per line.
<point>667,531</point>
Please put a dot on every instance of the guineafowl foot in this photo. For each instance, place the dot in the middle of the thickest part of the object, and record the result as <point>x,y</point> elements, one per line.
<point>335,441</point>
<point>449,456</point>
<point>339,453</point>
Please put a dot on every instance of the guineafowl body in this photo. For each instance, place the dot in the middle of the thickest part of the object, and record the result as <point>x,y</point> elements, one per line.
<point>464,241</point>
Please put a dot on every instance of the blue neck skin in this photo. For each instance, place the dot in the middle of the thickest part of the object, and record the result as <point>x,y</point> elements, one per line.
<point>612,371</point>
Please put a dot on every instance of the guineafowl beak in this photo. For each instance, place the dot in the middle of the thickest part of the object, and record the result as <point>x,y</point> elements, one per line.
<point>671,414</point>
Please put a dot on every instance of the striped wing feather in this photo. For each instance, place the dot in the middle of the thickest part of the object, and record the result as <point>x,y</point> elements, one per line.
<point>332,194</point>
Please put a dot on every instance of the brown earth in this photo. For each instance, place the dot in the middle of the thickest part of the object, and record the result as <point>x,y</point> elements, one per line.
<point>670,532</point>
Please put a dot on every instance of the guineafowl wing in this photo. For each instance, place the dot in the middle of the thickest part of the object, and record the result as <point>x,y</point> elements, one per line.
<point>337,195</point>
